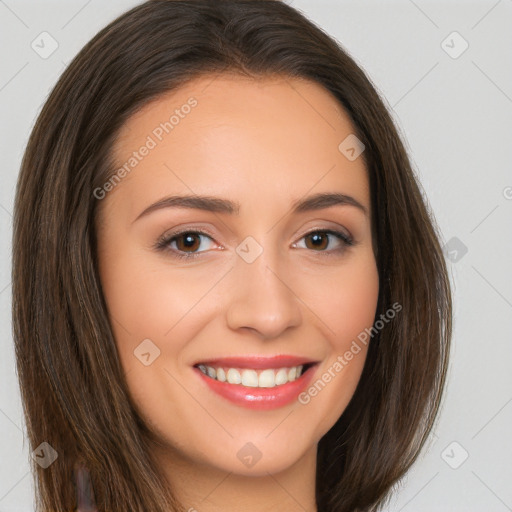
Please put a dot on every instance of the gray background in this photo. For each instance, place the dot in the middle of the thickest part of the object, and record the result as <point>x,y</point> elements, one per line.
<point>455,115</point>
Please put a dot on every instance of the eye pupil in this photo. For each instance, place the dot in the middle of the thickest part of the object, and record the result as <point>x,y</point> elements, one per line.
<point>189,241</point>
<point>317,240</point>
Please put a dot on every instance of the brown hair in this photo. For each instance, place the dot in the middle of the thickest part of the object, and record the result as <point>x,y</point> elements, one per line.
<point>72,385</point>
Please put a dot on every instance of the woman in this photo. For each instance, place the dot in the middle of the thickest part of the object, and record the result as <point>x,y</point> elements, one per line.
<point>295,362</point>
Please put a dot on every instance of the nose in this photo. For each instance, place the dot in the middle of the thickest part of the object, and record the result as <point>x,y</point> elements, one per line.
<point>262,297</point>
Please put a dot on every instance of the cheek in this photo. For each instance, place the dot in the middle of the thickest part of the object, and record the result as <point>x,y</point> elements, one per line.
<point>345,300</point>
<point>142,298</point>
<point>346,307</point>
<point>151,300</point>
<point>149,303</point>
<point>355,306</point>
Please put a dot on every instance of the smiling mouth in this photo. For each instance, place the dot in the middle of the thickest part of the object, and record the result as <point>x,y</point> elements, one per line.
<point>255,378</point>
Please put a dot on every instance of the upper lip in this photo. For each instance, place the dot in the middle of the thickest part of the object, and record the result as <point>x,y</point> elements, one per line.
<point>257,362</point>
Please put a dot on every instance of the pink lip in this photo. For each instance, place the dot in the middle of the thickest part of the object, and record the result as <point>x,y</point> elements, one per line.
<point>257,362</point>
<point>259,398</point>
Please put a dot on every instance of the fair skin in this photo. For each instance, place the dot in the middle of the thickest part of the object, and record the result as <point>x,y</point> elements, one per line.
<point>263,144</point>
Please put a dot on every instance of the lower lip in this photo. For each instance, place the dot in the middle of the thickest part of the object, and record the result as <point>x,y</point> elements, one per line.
<point>259,398</point>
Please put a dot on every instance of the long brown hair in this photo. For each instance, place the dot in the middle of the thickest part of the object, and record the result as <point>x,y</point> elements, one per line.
<point>73,390</point>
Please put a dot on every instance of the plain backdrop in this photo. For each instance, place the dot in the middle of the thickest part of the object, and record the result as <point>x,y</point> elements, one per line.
<point>445,71</point>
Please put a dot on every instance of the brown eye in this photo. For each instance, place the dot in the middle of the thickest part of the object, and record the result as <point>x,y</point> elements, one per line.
<point>183,245</point>
<point>190,242</point>
<point>318,241</point>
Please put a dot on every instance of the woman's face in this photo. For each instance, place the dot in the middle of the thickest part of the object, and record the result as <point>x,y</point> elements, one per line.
<point>270,279</point>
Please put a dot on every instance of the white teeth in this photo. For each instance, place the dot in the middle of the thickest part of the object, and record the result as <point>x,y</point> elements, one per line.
<point>281,376</point>
<point>233,376</point>
<point>250,378</point>
<point>221,375</point>
<point>268,378</point>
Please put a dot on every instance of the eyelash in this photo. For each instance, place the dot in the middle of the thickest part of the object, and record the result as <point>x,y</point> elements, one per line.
<point>163,242</point>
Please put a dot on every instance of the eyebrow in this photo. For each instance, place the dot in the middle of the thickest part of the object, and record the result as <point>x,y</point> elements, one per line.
<point>218,205</point>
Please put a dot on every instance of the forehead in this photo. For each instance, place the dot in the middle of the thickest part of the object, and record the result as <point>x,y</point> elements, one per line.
<point>234,136</point>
